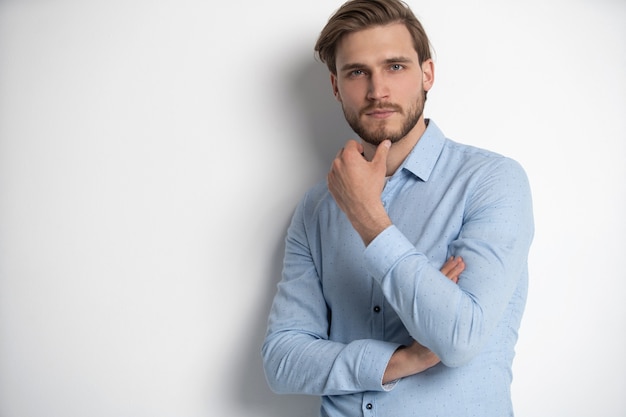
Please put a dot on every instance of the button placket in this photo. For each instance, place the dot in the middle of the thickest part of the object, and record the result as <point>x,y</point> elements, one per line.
<point>369,406</point>
<point>376,309</point>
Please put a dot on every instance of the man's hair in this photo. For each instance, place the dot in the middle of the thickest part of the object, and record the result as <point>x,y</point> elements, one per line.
<point>356,15</point>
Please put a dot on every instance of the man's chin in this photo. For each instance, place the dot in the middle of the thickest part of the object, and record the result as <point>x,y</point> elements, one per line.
<point>380,138</point>
<point>376,133</point>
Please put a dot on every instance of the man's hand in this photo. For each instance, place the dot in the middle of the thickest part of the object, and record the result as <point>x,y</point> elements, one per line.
<point>408,361</point>
<point>453,268</point>
<point>416,358</point>
<point>356,184</point>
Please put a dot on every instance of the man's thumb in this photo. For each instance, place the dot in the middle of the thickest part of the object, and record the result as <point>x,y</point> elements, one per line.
<point>380,157</point>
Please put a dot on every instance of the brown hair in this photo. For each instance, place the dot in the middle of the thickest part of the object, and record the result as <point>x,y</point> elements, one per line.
<point>357,15</point>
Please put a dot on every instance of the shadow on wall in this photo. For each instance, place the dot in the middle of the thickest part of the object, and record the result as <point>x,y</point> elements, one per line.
<point>324,131</point>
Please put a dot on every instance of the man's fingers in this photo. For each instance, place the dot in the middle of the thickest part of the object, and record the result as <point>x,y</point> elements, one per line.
<point>453,268</point>
<point>446,266</point>
<point>449,265</point>
<point>351,148</point>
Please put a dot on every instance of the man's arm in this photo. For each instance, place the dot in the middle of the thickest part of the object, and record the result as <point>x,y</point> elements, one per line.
<point>297,355</point>
<point>455,322</point>
<point>411,360</point>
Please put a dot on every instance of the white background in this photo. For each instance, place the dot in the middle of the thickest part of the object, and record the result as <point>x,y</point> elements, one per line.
<point>152,152</point>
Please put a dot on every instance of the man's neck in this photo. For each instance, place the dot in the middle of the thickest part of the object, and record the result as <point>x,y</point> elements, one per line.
<point>400,149</point>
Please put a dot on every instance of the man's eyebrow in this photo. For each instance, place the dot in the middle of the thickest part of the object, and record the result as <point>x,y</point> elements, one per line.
<point>398,60</point>
<point>354,65</point>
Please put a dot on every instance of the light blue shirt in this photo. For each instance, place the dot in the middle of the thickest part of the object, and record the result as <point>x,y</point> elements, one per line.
<point>342,309</point>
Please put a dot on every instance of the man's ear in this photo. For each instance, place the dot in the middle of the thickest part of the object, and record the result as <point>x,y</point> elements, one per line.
<point>333,83</point>
<point>428,74</point>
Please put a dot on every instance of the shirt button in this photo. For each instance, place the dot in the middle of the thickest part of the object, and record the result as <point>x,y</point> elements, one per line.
<point>377,309</point>
<point>369,406</point>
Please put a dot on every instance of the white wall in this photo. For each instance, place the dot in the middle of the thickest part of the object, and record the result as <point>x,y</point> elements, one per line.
<point>152,152</point>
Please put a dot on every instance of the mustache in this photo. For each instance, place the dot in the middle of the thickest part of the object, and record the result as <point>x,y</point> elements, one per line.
<point>381,106</point>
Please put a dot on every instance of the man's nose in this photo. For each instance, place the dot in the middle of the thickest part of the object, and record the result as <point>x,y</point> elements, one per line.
<point>377,89</point>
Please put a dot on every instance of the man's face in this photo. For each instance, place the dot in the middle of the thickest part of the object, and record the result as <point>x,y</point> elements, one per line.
<point>380,83</point>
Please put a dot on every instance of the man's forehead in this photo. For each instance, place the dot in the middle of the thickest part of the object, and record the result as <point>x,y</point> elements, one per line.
<point>377,44</point>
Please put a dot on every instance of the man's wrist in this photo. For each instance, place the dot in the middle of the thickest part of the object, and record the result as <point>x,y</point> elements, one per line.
<point>370,225</point>
<point>395,366</point>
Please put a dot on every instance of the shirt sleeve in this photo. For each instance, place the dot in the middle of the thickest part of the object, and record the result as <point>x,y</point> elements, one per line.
<point>298,356</point>
<point>455,321</point>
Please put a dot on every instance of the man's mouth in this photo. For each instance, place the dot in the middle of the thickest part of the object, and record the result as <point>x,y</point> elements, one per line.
<point>380,113</point>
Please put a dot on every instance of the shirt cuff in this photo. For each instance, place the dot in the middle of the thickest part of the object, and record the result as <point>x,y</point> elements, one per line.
<point>389,247</point>
<point>372,366</point>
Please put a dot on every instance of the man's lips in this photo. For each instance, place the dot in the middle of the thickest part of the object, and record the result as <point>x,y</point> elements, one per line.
<point>380,113</point>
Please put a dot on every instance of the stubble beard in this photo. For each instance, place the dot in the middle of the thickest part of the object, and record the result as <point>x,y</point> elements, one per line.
<point>378,134</point>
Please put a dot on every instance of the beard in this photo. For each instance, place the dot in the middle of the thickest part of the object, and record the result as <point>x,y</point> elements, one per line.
<point>375,136</point>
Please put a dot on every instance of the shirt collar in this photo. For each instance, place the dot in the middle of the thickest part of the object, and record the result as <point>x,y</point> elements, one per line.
<point>423,157</point>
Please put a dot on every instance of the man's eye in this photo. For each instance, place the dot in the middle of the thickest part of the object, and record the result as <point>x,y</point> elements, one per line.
<point>397,67</point>
<point>356,73</point>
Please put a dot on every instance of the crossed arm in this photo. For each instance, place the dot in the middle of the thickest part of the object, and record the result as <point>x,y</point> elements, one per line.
<point>413,359</point>
<point>356,185</point>
<point>297,356</point>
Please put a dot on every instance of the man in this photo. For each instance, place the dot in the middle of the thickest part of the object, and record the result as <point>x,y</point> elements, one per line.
<point>364,315</point>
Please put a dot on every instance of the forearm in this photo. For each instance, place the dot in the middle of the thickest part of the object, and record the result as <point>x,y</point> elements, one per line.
<point>409,360</point>
<point>297,363</point>
<point>455,321</point>
<point>370,221</point>
<point>298,356</point>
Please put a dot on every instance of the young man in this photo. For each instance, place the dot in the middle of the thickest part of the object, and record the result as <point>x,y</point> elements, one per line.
<point>364,315</point>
